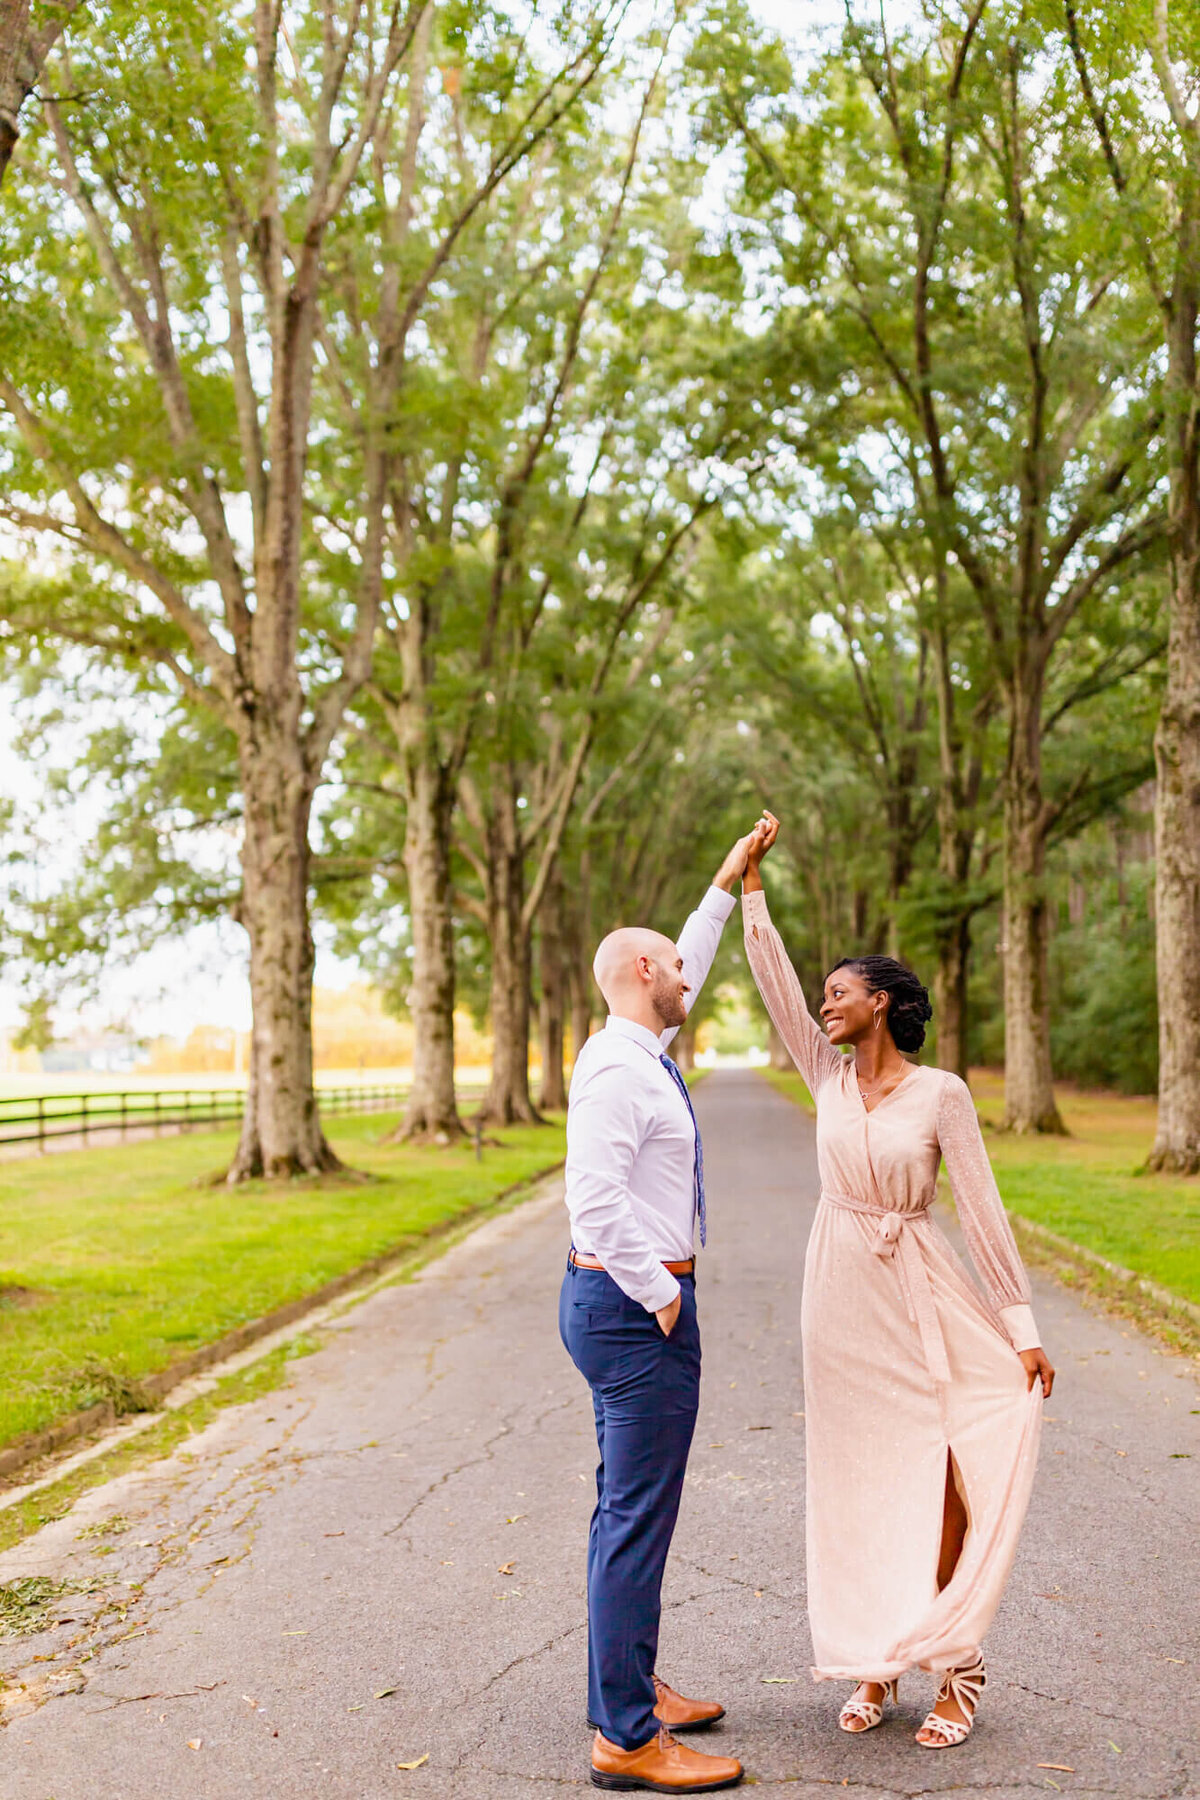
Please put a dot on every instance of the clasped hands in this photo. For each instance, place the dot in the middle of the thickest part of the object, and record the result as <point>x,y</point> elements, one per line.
<point>742,862</point>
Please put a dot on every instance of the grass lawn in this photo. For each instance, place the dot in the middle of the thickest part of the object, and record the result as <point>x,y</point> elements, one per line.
<point>119,1261</point>
<point>1084,1187</point>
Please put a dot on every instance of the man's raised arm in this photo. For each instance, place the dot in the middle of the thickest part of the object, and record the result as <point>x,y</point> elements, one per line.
<point>700,938</point>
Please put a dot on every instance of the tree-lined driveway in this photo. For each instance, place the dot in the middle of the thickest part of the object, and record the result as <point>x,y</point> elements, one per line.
<point>383,1561</point>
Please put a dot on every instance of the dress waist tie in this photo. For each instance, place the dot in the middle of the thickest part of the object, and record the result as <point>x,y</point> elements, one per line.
<point>895,1237</point>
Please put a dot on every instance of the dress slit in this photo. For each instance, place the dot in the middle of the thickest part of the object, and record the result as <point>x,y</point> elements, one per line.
<point>956,1483</point>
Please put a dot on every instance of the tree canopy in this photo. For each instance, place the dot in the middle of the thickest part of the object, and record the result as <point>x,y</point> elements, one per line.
<point>458,463</point>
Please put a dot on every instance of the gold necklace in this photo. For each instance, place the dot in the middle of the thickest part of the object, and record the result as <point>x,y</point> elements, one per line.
<point>869,1093</point>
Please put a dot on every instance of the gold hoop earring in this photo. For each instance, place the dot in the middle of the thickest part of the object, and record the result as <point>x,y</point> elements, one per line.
<point>875,1016</point>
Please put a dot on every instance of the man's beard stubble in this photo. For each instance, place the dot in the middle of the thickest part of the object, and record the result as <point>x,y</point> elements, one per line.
<point>668,1002</point>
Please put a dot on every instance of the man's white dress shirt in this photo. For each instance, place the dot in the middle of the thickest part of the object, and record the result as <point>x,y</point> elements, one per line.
<point>631,1143</point>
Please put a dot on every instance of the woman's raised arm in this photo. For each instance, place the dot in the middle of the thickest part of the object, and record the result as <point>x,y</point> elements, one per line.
<point>776,979</point>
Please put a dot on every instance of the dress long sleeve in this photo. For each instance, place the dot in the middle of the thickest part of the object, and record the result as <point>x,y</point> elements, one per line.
<point>779,985</point>
<point>982,1216</point>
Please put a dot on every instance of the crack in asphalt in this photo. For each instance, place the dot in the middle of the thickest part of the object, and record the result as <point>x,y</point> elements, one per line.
<point>525,1657</point>
<point>1082,1705</point>
<point>486,1453</point>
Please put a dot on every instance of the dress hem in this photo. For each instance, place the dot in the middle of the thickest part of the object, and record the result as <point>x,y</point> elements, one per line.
<point>888,1671</point>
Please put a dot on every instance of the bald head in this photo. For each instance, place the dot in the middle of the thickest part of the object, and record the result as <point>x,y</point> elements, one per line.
<point>640,974</point>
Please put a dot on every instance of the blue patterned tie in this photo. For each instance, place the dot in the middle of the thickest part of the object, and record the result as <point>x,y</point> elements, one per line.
<point>682,1085</point>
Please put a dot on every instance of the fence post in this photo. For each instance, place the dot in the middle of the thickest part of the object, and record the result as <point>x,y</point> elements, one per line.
<point>42,1123</point>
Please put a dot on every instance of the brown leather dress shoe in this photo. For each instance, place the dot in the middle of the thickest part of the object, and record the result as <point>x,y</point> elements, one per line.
<point>663,1766</point>
<point>678,1714</point>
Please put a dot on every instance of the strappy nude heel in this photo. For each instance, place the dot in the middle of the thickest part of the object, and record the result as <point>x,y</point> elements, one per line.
<point>869,1711</point>
<point>964,1686</point>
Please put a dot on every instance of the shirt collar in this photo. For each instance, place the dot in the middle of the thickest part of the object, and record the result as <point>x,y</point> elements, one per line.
<point>639,1034</point>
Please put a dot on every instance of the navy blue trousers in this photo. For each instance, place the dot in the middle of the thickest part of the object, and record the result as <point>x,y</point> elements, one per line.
<point>646,1391</point>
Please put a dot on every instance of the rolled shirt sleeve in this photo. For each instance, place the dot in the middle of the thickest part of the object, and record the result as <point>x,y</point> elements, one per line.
<point>604,1132</point>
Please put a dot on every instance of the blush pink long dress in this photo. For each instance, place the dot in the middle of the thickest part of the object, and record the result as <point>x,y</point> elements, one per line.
<point>905,1361</point>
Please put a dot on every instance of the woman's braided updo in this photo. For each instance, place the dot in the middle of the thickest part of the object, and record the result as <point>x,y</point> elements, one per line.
<point>908,1002</point>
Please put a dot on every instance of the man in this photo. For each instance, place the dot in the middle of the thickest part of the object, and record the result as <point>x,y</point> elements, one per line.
<point>635,1190</point>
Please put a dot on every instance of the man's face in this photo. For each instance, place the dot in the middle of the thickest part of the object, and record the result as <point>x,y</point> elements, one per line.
<point>667,987</point>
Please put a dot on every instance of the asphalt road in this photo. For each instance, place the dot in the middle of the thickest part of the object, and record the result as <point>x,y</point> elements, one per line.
<point>383,1561</point>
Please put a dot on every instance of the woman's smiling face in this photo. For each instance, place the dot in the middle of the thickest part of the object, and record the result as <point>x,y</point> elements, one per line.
<point>848,1009</point>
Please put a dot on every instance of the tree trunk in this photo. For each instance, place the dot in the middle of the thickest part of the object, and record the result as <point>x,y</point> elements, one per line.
<point>682,1050</point>
<point>580,951</point>
<point>1177,743</point>
<point>950,995</point>
<point>432,1114</point>
<point>777,1050</point>
<point>508,1100</point>
<point>553,1008</point>
<point>1029,1103</point>
<point>14,33</point>
<point>281,1129</point>
<point>581,1015</point>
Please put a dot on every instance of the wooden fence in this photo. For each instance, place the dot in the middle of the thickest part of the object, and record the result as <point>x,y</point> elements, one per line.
<point>39,1118</point>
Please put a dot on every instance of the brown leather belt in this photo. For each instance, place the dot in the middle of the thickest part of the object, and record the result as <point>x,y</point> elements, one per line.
<point>579,1259</point>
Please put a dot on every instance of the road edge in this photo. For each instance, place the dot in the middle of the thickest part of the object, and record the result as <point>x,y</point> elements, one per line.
<point>1117,1290</point>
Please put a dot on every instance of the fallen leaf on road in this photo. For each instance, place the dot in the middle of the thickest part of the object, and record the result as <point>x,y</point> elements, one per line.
<point>758,1428</point>
<point>778,1681</point>
<point>414,1765</point>
<point>384,1692</point>
<point>1050,1782</point>
<point>293,1634</point>
<point>195,1743</point>
<point>719,1446</point>
<point>333,1534</point>
<point>506,1568</point>
<point>1115,1747</point>
<point>357,1708</point>
<point>515,1517</point>
<point>1063,1768</point>
<point>758,1593</point>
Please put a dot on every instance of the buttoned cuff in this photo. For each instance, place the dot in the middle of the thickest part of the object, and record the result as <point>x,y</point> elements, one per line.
<point>717,903</point>
<point>661,1291</point>
<point>1021,1326</point>
<point>754,908</point>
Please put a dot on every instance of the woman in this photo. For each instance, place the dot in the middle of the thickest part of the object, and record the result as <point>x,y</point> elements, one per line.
<point>922,1399</point>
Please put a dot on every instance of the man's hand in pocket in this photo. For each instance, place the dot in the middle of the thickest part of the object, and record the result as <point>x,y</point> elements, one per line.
<point>667,1315</point>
